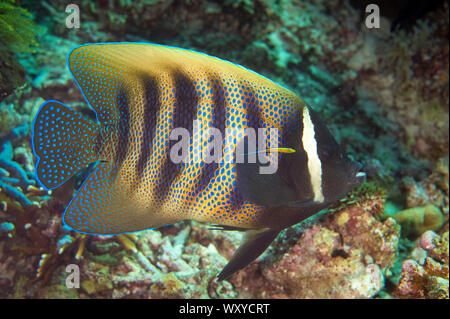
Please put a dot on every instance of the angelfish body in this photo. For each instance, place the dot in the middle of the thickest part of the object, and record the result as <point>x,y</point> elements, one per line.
<point>140,94</point>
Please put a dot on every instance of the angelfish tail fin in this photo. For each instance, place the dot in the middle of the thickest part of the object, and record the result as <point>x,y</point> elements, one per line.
<point>63,143</point>
<point>254,244</point>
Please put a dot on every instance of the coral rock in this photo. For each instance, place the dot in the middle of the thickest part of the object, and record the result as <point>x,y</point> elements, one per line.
<point>415,221</point>
<point>429,279</point>
<point>344,257</point>
<point>310,270</point>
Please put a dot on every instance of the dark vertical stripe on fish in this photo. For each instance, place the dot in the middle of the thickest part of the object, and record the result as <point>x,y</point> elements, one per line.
<point>184,113</point>
<point>152,107</point>
<point>186,102</point>
<point>218,108</point>
<point>123,128</point>
<point>254,115</point>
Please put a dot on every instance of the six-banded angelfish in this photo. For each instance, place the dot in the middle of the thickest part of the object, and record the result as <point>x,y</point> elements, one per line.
<point>141,93</point>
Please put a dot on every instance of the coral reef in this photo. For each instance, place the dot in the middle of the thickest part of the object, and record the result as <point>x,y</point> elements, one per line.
<point>426,202</point>
<point>14,180</point>
<point>431,190</point>
<point>426,276</point>
<point>346,256</point>
<point>409,82</point>
<point>149,265</point>
<point>384,94</point>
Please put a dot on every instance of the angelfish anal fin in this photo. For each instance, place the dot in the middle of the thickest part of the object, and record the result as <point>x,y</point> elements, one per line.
<point>254,244</point>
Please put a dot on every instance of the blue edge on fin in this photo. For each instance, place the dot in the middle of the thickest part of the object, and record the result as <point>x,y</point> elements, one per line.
<point>40,183</point>
<point>87,101</point>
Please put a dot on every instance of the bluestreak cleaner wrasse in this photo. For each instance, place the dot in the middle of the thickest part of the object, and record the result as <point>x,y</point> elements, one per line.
<point>141,93</point>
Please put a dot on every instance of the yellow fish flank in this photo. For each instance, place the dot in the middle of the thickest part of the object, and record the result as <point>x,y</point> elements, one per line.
<point>141,94</point>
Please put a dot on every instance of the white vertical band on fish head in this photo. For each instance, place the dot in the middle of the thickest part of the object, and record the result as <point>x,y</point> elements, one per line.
<point>314,163</point>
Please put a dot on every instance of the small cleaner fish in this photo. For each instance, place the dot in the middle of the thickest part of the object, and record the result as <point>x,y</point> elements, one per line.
<point>140,93</point>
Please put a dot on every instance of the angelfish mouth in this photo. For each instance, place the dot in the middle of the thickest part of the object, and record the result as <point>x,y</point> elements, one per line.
<point>360,177</point>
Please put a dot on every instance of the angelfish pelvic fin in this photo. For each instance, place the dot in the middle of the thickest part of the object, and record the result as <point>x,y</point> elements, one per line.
<point>253,244</point>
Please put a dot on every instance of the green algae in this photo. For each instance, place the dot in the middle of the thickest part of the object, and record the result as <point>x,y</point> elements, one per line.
<point>59,292</point>
<point>17,29</point>
<point>109,253</point>
<point>368,190</point>
<point>102,283</point>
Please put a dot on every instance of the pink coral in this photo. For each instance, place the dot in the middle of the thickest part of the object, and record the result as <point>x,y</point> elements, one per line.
<point>427,278</point>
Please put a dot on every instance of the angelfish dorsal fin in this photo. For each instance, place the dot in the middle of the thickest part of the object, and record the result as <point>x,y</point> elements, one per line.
<point>254,244</point>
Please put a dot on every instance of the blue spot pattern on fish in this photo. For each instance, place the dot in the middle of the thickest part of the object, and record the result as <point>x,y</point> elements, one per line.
<point>141,93</point>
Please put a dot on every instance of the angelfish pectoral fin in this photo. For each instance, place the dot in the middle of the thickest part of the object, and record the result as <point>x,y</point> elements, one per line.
<point>254,244</point>
<point>261,189</point>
